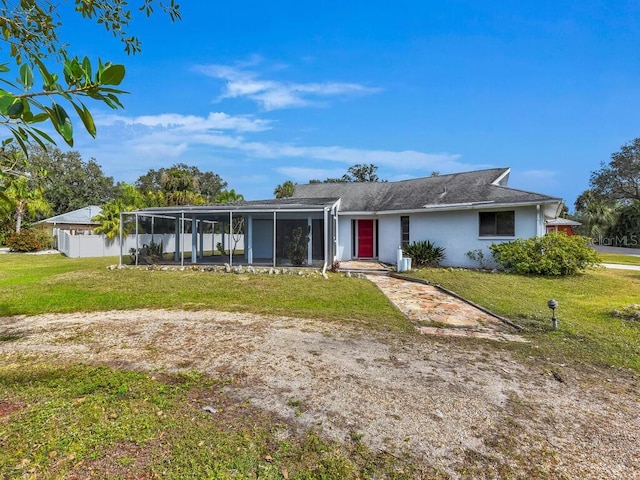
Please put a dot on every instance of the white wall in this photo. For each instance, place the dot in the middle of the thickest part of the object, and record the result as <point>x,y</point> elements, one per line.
<point>84,246</point>
<point>344,249</point>
<point>456,231</point>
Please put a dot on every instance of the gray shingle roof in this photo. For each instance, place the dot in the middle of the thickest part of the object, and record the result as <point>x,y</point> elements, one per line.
<point>428,192</point>
<point>81,216</point>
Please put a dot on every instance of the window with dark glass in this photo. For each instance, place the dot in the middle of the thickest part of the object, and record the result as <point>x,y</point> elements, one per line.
<point>404,229</point>
<point>498,224</point>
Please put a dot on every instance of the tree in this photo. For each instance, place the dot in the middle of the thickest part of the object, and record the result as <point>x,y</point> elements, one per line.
<point>30,35</point>
<point>24,199</point>
<point>229,196</point>
<point>284,190</point>
<point>128,198</point>
<point>620,178</point>
<point>596,213</point>
<point>182,178</point>
<point>70,182</point>
<point>356,173</point>
<point>361,173</point>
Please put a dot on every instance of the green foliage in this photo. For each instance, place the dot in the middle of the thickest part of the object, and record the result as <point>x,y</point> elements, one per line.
<point>203,187</point>
<point>555,254</point>
<point>355,173</point>
<point>424,253</point>
<point>29,240</point>
<point>625,231</point>
<point>477,255</point>
<point>147,254</point>
<point>70,183</point>
<point>284,190</point>
<point>30,29</point>
<point>620,178</point>
<point>297,246</point>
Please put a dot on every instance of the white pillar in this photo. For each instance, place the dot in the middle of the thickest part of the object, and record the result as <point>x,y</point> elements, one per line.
<point>194,239</point>
<point>248,241</point>
<point>201,232</point>
<point>230,237</point>
<point>137,244</point>
<point>274,239</point>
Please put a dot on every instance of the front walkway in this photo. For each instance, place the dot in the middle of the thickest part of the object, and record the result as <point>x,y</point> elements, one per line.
<point>433,312</point>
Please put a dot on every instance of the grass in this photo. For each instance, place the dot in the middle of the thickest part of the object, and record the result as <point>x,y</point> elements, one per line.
<point>34,284</point>
<point>621,258</point>
<point>587,332</point>
<point>87,421</point>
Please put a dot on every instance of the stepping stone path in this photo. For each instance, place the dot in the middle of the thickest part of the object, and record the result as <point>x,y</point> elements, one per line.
<point>434,312</point>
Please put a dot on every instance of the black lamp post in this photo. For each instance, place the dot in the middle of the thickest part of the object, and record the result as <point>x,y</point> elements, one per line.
<point>553,304</point>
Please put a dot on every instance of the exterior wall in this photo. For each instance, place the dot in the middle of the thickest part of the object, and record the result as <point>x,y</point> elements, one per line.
<point>344,234</point>
<point>457,231</point>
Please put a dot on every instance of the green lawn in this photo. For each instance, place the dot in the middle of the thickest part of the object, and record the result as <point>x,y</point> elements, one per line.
<point>32,284</point>
<point>620,258</point>
<point>80,421</point>
<point>587,332</point>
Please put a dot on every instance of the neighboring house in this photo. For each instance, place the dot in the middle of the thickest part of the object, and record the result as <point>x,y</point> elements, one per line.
<point>461,212</point>
<point>77,222</point>
<point>563,225</point>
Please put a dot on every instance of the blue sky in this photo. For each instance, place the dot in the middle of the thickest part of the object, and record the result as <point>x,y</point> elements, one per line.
<point>263,92</point>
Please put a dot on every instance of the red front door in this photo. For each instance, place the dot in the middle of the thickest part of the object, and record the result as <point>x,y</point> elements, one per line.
<point>365,238</point>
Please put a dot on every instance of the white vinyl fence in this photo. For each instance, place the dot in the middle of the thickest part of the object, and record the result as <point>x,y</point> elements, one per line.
<point>83,246</point>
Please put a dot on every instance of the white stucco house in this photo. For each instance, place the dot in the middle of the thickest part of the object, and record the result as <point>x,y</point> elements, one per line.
<point>461,212</point>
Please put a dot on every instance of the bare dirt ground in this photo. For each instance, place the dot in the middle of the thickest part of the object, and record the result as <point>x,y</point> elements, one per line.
<point>454,405</point>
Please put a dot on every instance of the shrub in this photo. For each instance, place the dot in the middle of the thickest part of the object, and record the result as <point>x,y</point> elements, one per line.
<point>477,255</point>
<point>297,246</point>
<point>29,240</point>
<point>554,254</point>
<point>424,254</point>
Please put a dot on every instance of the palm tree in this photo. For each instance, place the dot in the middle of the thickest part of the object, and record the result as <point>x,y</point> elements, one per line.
<point>229,196</point>
<point>284,190</point>
<point>109,220</point>
<point>24,200</point>
<point>599,216</point>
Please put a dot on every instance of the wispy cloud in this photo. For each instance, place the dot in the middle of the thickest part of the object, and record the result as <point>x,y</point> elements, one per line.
<point>275,95</point>
<point>173,121</point>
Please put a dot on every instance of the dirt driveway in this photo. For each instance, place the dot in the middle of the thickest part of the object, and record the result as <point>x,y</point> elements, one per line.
<point>449,402</point>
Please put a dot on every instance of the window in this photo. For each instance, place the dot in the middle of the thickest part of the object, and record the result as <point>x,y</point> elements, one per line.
<point>404,229</point>
<point>498,224</point>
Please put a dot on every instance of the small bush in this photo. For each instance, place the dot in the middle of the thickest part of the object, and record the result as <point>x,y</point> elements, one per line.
<point>554,254</point>
<point>29,240</point>
<point>424,254</point>
<point>297,246</point>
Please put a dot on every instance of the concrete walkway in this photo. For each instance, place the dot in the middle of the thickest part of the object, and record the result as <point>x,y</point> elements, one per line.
<point>620,266</point>
<point>433,312</point>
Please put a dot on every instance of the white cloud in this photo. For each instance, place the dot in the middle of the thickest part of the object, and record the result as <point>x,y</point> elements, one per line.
<point>214,121</point>
<point>273,95</point>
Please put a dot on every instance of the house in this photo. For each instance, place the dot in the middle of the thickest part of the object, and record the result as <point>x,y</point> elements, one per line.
<point>462,212</point>
<point>564,225</point>
<point>77,222</point>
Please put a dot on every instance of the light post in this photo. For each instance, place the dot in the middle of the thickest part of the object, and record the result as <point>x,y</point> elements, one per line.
<point>553,304</point>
